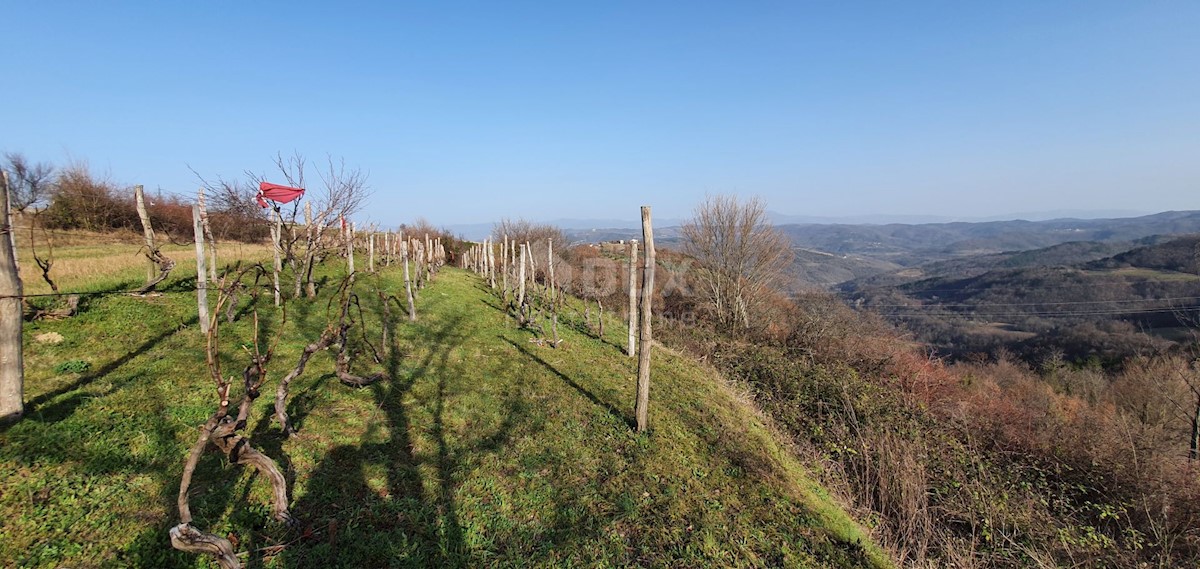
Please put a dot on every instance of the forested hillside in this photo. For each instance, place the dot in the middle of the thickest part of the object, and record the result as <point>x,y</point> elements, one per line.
<point>1136,302</point>
<point>911,245</point>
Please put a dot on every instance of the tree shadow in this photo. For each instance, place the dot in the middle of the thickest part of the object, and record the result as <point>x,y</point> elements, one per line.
<point>611,408</point>
<point>396,519</point>
<point>37,409</point>
<point>575,321</point>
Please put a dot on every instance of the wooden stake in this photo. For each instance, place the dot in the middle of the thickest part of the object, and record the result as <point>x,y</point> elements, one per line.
<point>412,311</point>
<point>201,273</point>
<point>641,406</point>
<point>147,231</point>
<point>12,363</point>
<point>631,349</point>
<point>276,239</point>
<point>212,239</point>
<point>521,279</point>
<point>550,268</point>
<point>350,248</point>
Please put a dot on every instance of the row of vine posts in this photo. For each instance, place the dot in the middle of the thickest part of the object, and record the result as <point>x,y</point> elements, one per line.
<point>420,258</point>
<point>534,305</point>
<point>299,248</point>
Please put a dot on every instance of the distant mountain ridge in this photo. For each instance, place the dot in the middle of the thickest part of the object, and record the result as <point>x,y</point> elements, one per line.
<point>830,254</point>
<point>1071,297</point>
<point>629,227</point>
<point>911,245</point>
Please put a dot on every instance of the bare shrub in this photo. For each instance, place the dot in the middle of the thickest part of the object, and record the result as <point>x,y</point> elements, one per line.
<point>84,201</point>
<point>739,258</point>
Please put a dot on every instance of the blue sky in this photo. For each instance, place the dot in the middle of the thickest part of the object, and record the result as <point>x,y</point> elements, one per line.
<point>468,112</point>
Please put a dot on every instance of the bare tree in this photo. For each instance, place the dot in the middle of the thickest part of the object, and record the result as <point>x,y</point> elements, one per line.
<point>29,184</point>
<point>343,192</point>
<point>739,257</point>
<point>233,212</point>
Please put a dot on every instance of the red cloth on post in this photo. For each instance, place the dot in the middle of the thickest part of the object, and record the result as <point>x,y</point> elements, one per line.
<point>276,193</point>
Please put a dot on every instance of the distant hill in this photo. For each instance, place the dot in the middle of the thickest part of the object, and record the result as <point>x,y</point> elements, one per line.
<point>911,245</point>
<point>831,254</point>
<point>823,270</point>
<point>1057,298</point>
<point>1180,255</point>
<point>1071,253</point>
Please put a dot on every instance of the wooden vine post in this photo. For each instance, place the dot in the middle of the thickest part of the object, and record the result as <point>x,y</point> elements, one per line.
<point>156,259</point>
<point>428,258</point>
<point>201,273</point>
<point>633,315</point>
<point>504,267</point>
<point>521,279</point>
<point>276,238</point>
<point>350,248</point>
<point>550,268</point>
<point>641,407</point>
<point>490,258</point>
<point>12,368</point>
<point>212,239</point>
<point>139,199</point>
<point>412,311</point>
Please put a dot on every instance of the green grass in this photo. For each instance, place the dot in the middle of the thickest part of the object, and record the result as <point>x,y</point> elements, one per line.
<point>484,449</point>
<point>1142,273</point>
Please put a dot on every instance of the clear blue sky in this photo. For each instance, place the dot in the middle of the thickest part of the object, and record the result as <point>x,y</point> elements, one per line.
<point>466,112</point>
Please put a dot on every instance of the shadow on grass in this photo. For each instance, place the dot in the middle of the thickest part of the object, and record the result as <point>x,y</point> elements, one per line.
<point>41,410</point>
<point>575,320</point>
<point>369,504</point>
<point>611,408</point>
<point>38,409</point>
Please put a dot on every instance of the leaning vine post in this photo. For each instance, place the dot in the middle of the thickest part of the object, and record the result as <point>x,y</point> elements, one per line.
<point>139,198</point>
<point>641,407</point>
<point>12,372</point>
<point>156,258</point>
<point>633,315</point>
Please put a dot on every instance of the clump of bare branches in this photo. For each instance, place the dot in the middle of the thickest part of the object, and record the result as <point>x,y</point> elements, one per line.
<point>342,192</point>
<point>223,428</point>
<point>740,257</point>
<point>29,184</point>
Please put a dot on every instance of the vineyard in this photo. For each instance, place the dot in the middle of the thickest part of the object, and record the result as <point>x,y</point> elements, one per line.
<point>478,443</point>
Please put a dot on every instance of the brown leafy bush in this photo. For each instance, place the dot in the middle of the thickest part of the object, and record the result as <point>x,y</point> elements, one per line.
<point>82,201</point>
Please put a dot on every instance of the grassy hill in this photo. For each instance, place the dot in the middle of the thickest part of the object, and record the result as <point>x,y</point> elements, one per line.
<point>483,449</point>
